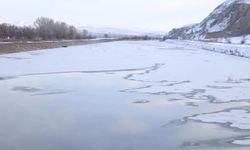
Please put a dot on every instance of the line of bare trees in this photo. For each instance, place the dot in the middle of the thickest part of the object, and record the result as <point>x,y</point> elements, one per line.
<point>43,29</point>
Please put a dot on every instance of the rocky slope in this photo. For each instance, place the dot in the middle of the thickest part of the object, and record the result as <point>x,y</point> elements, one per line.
<point>231,18</point>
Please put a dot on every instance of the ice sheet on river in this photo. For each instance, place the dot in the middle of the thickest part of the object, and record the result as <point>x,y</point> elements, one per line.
<point>164,81</point>
<point>163,68</point>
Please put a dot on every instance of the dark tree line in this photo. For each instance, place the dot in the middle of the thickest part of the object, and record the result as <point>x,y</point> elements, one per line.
<point>43,29</point>
<point>139,38</point>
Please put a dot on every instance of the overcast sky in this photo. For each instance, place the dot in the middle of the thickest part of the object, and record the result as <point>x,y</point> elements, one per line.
<point>129,14</point>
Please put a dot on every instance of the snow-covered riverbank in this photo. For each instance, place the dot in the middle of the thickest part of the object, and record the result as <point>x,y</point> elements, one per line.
<point>230,49</point>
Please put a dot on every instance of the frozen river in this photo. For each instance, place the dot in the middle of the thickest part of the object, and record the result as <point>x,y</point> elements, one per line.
<point>124,96</point>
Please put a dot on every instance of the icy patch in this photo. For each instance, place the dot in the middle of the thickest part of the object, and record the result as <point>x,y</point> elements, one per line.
<point>26,89</point>
<point>156,68</point>
<point>39,91</point>
<point>193,104</point>
<point>221,92</point>
<point>234,118</point>
<point>141,101</point>
<point>229,93</point>
<point>243,142</point>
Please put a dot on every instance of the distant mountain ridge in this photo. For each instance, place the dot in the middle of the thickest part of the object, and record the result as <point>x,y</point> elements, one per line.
<point>117,32</point>
<point>231,18</point>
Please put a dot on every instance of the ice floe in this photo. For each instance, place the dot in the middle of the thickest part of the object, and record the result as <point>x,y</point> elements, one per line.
<point>236,118</point>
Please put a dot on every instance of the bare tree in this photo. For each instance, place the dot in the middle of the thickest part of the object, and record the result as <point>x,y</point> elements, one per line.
<point>44,29</point>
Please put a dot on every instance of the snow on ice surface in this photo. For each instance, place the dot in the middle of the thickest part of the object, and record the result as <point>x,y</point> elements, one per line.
<point>171,70</point>
<point>203,78</point>
<point>235,118</point>
<point>198,91</point>
<point>244,142</point>
<point>80,58</point>
<point>165,69</point>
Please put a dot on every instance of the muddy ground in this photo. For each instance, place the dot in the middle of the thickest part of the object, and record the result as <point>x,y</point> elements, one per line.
<point>14,47</point>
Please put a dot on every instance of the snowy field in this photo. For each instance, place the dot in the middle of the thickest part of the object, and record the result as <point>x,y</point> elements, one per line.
<point>142,95</point>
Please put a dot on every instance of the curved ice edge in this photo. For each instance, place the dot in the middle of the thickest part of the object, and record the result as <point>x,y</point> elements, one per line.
<point>235,118</point>
<point>243,141</point>
<point>83,71</point>
<point>194,118</point>
<point>238,141</point>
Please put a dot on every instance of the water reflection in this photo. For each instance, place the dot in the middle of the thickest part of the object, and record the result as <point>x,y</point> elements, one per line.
<point>90,113</point>
<point>129,126</point>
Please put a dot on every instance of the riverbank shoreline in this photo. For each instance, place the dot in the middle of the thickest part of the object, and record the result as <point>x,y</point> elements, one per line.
<point>15,47</point>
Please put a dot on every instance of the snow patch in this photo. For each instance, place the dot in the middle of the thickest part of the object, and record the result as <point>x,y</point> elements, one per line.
<point>235,118</point>
<point>243,2</point>
<point>243,142</point>
<point>219,26</point>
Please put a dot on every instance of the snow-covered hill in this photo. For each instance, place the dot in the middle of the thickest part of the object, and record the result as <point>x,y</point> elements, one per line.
<point>229,19</point>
